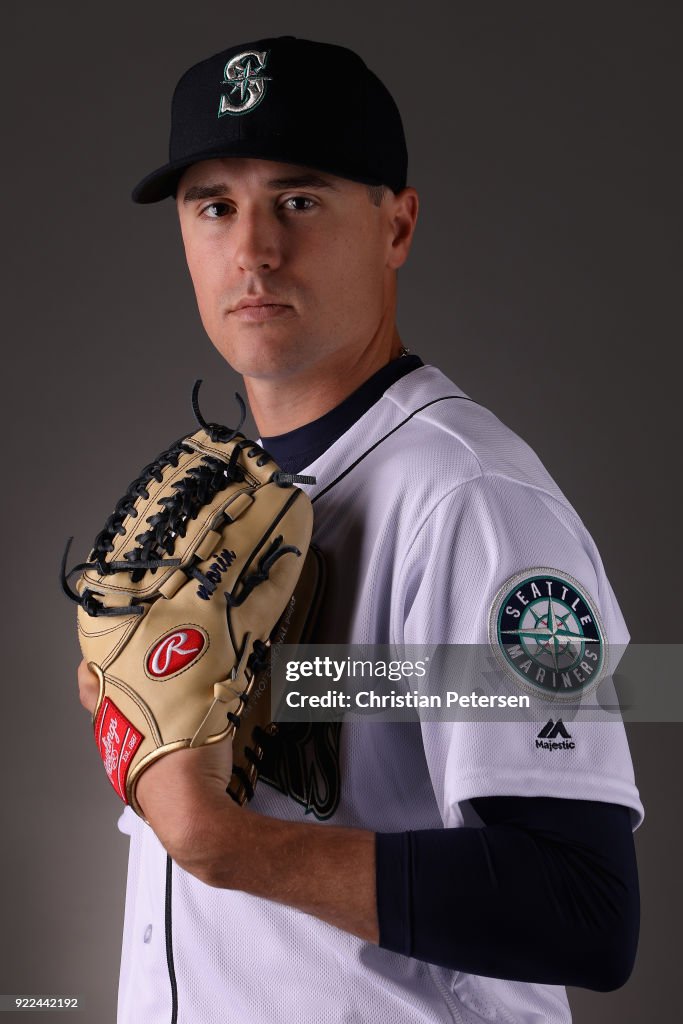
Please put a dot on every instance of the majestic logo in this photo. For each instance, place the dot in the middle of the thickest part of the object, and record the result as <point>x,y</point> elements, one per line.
<point>553,729</point>
<point>544,628</point>
<point>244,74</point>
<point>175,652</point>
<point>550,732</point>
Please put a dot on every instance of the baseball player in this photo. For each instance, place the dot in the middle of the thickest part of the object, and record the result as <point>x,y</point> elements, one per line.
<point>385,871</point>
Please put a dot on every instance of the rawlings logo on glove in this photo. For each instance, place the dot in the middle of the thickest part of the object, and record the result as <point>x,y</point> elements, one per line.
<point>172,653</point>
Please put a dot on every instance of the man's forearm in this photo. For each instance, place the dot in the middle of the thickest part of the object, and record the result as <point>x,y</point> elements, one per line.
<point>325,871</point>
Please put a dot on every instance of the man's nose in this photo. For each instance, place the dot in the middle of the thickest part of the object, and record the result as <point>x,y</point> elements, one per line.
<point>257,240</point>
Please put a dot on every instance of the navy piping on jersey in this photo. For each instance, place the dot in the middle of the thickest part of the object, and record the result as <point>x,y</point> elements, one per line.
<point>546,891</point>
<point>168,928</point>
<point>379,441</point>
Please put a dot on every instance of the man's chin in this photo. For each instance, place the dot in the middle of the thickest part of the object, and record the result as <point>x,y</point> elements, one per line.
<point>261,360</point>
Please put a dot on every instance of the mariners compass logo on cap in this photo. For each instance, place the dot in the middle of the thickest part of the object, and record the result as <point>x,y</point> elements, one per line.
<point>545,628</point>
<point>244,73</point>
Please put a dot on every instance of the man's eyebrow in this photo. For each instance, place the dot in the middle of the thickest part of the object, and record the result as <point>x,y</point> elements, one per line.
<point>274,184</point>
<point>204,192</point>
<point>302,181</point>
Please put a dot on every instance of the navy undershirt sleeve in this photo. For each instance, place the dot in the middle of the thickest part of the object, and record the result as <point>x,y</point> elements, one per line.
<point>546,891</point>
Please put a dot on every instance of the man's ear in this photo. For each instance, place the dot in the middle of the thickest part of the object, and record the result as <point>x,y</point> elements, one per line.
<point>402,212</point>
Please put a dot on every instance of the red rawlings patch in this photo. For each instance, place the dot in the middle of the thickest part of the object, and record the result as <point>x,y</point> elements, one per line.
<point>117,740</point>
<point>174,652</point>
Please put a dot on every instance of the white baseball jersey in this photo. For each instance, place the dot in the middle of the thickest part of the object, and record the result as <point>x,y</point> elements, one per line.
<point>444,510</point>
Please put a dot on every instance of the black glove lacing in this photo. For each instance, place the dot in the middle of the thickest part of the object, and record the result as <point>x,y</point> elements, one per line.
<point>257,661</point>
<point>195,490</point>
<point>265,563</point>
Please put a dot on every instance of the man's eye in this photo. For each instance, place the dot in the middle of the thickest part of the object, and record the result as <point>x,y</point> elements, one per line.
<point>216,210</point>
<point>299,200</point>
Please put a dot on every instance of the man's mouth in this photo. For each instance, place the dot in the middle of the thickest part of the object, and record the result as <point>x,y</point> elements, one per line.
<point>259,309</point>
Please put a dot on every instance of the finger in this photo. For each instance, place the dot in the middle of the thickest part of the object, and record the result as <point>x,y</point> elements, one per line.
<point>88,687</point>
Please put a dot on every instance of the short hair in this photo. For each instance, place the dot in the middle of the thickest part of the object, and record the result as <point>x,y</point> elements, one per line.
<point>376,194</point>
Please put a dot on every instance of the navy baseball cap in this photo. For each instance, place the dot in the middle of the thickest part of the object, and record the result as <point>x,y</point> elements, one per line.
<point>286,99</point>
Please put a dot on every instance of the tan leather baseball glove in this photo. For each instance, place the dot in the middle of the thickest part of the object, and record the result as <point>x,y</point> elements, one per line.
<point>187,584</point>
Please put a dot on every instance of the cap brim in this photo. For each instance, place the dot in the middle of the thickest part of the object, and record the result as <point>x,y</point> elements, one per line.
<point>163,182</point>
<point>160,184</point>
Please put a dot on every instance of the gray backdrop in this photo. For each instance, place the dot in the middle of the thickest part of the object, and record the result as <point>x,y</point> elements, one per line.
<point>544,141</point>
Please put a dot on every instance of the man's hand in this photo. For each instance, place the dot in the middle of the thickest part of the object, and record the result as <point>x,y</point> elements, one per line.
<point>182,796</point>
<point>293,862</point>
<point>88,687</point>
<point>180,792</point>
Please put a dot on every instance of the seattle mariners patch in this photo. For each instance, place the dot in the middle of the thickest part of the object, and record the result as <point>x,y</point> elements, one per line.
<point>546,631</point>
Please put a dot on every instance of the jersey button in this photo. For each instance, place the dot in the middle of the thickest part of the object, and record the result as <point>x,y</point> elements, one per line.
<point>147,937</point>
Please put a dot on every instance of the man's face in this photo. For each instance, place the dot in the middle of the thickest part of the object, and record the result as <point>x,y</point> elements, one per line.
<point>309,252</point>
